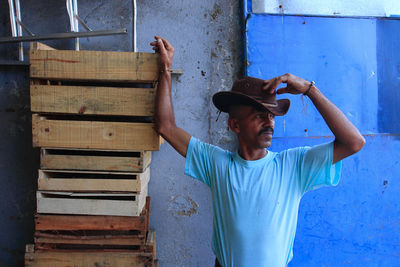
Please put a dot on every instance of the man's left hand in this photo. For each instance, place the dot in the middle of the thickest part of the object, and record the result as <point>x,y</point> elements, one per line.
<point>294,85</point>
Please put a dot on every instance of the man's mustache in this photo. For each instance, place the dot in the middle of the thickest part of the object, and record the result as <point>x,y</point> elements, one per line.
<point>266,130</point>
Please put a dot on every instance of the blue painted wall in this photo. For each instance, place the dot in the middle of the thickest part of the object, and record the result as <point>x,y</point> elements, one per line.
<point>339,54</point>
<point>355,62</point>
<point>388,36</point>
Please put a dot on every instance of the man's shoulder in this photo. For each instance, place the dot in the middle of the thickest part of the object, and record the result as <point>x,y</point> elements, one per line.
<point>210,149</point>
<point>300,151</point>
<point>293,152</point>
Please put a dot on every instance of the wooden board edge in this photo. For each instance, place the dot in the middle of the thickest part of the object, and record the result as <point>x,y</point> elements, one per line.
<point>40,46</point>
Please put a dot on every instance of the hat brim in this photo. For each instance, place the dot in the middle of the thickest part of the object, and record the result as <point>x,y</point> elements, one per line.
<point>222,100</point>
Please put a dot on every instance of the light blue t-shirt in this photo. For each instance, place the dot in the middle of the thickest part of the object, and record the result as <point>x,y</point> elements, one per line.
<point>255,203</point>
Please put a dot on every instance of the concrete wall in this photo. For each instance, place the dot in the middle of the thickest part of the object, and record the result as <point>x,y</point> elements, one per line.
<point>207,39</point>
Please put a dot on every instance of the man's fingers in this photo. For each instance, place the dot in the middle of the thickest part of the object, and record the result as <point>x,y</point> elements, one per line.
<point>284,78</point>
<point>282,90</point>
<point>276,83</point>
<point>272,84</point>
<point>160,45</point>
<point>167,45</point>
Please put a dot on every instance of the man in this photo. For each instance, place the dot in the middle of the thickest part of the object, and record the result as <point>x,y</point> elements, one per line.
<point>256,192</point>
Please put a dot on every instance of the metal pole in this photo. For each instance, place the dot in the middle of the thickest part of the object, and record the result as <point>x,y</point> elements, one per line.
<point>83,24</point>
<point>25,28</point>
<point>134,26</point>
<point>64,35</point>
<point>19,28</point>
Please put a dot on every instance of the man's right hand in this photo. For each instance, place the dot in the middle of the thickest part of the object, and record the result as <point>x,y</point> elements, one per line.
<point>166,51</point>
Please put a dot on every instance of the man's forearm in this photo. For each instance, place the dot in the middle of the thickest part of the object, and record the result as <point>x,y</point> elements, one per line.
<point>348,139</point>
<point>345,132</point>
<point>164,115</point>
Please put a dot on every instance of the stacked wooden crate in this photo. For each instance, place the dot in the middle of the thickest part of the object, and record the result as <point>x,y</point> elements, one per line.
<point>92,119</point>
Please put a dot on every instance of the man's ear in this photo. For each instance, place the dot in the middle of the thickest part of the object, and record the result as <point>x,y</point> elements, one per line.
<point>234,125</point>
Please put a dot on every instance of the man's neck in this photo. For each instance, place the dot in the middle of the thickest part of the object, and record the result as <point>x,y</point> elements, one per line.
<point>252,154</point>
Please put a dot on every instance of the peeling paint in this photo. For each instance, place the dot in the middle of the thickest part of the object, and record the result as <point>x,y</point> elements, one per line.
<point>183,206</point>
<point>385,183</point>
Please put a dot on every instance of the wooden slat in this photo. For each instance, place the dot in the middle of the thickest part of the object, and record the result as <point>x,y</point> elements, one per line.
<point>120,240</point>
<point>129,136</point>
<point>40,46</point>
<point>93,65</point>
<point>137,242</point>
<point>106,223</point>
<point>49,181</point>
<point>49,160</point>
<point>92,100</point>
<point>98,195</point>
<point>146,155</point>
<point>62,204</point>
<point>87,259</point>
<point>151,243</point>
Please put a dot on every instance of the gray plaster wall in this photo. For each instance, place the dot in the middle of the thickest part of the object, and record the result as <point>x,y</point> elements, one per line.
<point>208,44</point>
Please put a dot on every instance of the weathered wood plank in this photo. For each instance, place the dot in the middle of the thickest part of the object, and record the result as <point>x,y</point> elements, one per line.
<point>92,100</point>
<point>151,243</point>
<point>118,240</point>
<point>40,46</point>
<point>93,65</point>
<point>130,136</point>
<point>79,181</point>
<point>64,204</point>
<point>59,160</point>
<point>87,222</point>
<point>87,259</point>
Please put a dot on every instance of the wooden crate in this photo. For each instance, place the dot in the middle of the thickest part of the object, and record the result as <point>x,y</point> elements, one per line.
<point>89,181</point>
<point>145,257</point>
<point>50,64</point>
<point>50,132</point>
<point>67,159</point>
<point>48,223</point>
<point>115,204</point>
<point>92,99</point>
<point>85,82</point>
<point>90,240</point>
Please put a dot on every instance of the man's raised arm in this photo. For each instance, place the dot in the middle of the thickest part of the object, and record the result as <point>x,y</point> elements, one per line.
<point>164,114</point>
<point>348,139</point>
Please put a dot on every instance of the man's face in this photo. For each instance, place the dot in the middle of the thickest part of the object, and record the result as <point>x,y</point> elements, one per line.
<point>253,127</point>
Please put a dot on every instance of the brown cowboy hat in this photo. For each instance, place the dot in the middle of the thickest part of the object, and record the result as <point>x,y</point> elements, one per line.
<point>249,91</point>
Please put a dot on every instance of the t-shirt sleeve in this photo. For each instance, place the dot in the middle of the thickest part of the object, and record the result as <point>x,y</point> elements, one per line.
<point>201,159</point>
<point>316,168</point>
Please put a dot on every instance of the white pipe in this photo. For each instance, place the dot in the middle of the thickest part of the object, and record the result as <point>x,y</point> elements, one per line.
<point>68,3</point>
<point>76,23</point>
<point>134,26</point>
<point>12,18</point>
<point>19,28</point>
<point>71,12</point>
